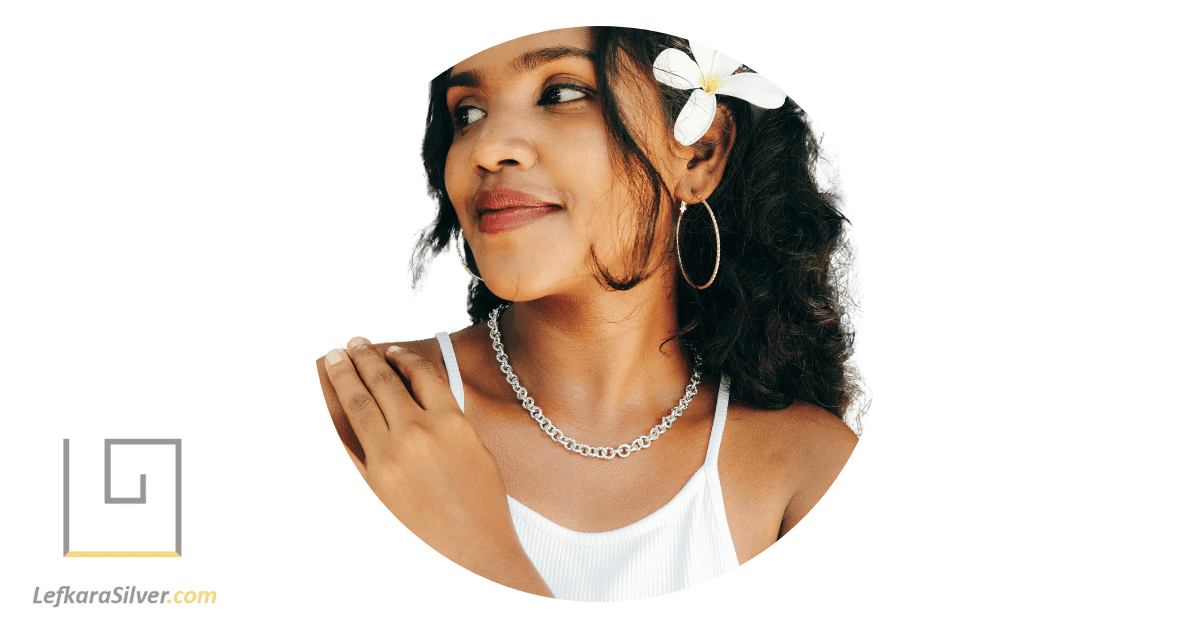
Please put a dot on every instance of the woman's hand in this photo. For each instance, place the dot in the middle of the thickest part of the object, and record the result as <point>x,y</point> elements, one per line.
<point>424,460</point>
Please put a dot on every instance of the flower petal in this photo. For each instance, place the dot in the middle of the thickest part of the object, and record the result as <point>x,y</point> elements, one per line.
<point>753,88</point>
<point>704,56</point>
<point>724,66</point>
<point>695,118</point>
<point>673,67</point>
<point>713,62</point>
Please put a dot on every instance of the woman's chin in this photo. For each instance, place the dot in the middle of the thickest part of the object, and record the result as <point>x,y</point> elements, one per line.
<point>512,286</point>
<point>532,284</point>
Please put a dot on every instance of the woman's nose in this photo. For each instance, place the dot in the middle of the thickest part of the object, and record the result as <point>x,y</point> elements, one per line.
<point>505,140</point>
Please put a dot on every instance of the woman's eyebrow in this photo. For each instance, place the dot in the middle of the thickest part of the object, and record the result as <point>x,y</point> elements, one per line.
<point>532,59</point>
<point>525,63</point>
<point>464,79</point>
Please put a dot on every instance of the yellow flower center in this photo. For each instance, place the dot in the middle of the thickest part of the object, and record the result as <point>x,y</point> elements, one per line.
<point>710,83</point>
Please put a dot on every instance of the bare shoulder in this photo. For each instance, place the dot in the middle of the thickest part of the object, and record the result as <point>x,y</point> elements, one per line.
<point>807,447</point>
<point>824,443</point>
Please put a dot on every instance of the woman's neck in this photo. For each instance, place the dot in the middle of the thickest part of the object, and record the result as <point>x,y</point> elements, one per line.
<point>601,362</point>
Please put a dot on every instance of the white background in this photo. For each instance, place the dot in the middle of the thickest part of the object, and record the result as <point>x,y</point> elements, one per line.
<point>199,200</point>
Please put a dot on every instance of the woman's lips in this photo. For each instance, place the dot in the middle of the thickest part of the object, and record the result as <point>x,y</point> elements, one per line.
<point>501,209</point>
<point>499,220</point>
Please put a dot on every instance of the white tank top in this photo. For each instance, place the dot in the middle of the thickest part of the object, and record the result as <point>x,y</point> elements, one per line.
<point>680,545</point>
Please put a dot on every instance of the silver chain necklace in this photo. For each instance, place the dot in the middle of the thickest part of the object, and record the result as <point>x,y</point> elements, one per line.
<point>606,453</point>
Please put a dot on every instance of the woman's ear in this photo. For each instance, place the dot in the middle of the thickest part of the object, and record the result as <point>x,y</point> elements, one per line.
<point>707,160</point>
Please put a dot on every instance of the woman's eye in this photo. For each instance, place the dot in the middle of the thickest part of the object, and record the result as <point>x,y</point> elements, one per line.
<point>563,92</point>
<point>466,114</point>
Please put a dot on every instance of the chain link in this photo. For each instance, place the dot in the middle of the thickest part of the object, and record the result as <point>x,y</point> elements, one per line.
<point>555,434</point>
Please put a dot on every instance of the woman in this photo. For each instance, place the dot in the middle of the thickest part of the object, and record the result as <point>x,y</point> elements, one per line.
<point>564,159</point>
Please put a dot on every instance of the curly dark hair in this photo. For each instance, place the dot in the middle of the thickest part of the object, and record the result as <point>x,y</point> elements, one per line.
<point>776,318</point>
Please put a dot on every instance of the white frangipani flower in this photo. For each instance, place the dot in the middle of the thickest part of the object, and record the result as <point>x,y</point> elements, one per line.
<point>710,74</point>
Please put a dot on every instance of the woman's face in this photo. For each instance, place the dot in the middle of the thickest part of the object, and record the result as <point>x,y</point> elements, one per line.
<point>530,173</point>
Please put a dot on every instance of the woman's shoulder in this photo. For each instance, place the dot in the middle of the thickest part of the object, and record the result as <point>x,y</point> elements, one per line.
<point>802,431</point>
<point>803,445</point>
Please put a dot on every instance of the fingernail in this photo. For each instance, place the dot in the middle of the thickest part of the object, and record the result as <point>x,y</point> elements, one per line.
<point>334,356</point>
<point>356,341</point>
<point>393,349</point>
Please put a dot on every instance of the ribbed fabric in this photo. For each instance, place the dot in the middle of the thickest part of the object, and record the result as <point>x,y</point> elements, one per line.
<point>680,545</point>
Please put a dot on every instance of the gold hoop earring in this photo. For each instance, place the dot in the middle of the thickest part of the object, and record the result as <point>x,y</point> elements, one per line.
<point>679,255</point>
<point>462,260</point>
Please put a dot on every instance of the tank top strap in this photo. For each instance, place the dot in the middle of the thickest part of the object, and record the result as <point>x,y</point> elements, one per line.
<point>718,426</point>
<point>452,374</point>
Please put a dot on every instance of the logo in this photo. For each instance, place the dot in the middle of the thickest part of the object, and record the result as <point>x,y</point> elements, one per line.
<point>148,525</point>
